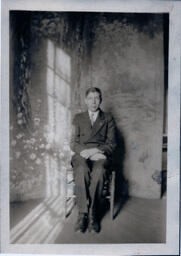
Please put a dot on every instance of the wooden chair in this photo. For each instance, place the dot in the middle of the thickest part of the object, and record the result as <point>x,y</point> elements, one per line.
<point>69,200</point>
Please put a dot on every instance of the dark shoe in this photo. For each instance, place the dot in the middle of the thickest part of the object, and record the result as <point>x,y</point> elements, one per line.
<point>94,225</point>
<point>82,222</point>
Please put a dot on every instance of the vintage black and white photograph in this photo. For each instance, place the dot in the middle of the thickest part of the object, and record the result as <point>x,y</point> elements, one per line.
<point>88,127</point>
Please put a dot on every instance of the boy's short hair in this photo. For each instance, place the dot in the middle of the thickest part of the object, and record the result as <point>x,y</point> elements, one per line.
<point>94,89</point>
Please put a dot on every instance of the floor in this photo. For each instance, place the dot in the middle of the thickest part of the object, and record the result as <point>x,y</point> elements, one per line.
<point>136,221</point>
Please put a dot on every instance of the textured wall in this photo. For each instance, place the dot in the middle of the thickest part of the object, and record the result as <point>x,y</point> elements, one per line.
<point>54,58</point>
<point>26,177</point>
<point>128,66</point>
<point>40,112</point>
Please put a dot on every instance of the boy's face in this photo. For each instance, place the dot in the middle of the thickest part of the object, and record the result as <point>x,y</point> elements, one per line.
<point>93,101</point>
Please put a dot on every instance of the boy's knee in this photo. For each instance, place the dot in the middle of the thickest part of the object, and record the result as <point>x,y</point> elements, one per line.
<point>78,161</point>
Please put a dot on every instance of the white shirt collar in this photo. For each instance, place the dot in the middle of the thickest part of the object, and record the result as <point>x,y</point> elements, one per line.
<point>95,114</point>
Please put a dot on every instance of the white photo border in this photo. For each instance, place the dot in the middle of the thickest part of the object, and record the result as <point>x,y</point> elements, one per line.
<point>171,247</point>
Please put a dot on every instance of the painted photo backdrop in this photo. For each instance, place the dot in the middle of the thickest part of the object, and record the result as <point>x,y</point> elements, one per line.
<point>54,58</point>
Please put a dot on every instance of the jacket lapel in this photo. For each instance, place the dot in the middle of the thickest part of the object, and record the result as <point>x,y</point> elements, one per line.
<point>100,121</point>
<point>87,123</point>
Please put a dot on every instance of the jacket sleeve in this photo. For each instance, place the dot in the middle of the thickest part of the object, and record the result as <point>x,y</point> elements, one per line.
<point>110,144</point>
<point>75,137</point>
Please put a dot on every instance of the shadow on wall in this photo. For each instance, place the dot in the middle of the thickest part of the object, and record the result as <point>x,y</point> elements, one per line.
<point>118,163</point>
<point>121,184</point>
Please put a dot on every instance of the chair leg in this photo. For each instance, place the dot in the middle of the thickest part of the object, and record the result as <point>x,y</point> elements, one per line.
<point>112,195</point>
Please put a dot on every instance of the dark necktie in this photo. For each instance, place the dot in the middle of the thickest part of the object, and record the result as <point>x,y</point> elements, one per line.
<point>92,118</point>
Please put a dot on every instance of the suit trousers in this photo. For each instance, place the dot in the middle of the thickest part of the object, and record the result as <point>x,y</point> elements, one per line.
<point>89,181</point>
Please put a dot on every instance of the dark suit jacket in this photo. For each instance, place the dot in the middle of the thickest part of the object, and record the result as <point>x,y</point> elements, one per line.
<point>101,135</point>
